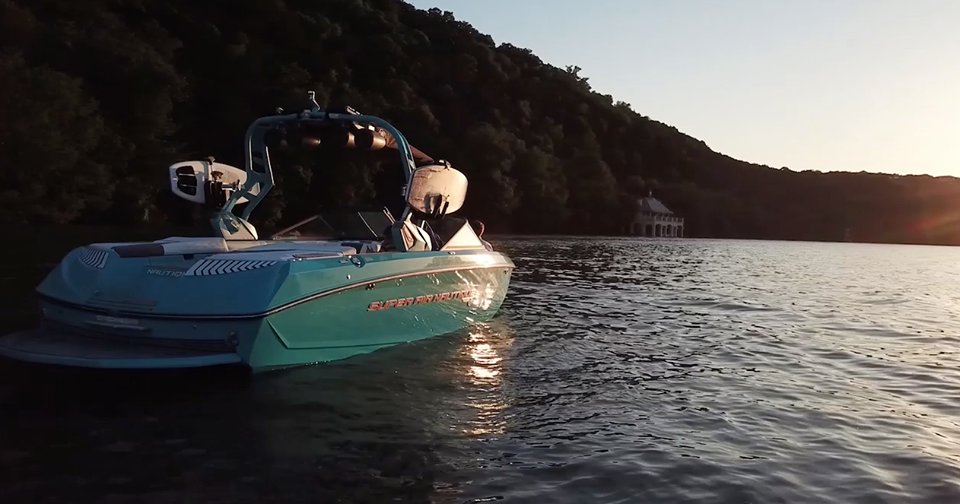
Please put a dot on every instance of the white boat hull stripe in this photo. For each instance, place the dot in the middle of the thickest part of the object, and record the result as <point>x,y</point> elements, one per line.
<point>93,258</point>
<point>208,267</point>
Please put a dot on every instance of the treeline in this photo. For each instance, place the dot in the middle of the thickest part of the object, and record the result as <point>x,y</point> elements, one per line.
<point>99,96</point>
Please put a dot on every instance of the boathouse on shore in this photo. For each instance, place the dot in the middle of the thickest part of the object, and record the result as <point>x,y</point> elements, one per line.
<point>655,219</point>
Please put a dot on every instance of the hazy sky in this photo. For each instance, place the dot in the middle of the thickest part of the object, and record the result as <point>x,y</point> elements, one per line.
<point>810,84</point>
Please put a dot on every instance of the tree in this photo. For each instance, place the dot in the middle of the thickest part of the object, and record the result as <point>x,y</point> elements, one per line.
<point>100,96</point>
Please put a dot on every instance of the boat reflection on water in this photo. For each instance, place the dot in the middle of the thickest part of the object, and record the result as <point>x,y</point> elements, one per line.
<point>394,425</point>
<point>404,429</point>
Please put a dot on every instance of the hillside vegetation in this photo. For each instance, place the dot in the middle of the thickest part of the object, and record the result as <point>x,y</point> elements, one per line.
<point>99,96</point>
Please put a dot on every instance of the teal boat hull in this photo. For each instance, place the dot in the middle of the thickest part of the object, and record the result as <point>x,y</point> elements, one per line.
<point>146,313</point>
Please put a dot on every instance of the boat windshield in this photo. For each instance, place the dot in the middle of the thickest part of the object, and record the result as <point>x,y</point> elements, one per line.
<point>340,225</point>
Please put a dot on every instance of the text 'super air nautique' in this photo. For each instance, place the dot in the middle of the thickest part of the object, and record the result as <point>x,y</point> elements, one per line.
<point>334,285</point>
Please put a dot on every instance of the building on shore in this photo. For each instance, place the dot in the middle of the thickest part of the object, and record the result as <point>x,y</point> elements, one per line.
<point>655,219</point>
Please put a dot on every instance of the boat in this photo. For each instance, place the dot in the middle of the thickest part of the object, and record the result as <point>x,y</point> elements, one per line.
<point>337,284</point>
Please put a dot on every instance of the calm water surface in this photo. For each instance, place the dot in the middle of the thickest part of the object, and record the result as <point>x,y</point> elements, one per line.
<point>620,370</point>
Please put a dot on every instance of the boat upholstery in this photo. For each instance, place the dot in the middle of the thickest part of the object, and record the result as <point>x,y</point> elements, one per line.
<point>408,237</point>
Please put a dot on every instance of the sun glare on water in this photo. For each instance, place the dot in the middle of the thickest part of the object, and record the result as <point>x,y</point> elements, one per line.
<point>484,371</point>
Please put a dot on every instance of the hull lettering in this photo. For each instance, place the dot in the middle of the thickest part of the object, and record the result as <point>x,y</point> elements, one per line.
<point>463,295</point>
<point>176,273</point>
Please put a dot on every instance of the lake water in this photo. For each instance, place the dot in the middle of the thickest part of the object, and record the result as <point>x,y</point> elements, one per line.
<point>619,370</point>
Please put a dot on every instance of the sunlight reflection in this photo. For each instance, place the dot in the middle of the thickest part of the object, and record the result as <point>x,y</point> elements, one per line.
<point>483,370</point>
<point>482,296</point>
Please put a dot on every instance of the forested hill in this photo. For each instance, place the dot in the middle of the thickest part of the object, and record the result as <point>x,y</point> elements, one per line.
<point>100,96</point>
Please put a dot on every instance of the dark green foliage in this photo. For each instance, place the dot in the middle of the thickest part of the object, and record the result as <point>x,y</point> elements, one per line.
<point>50,132</point>
<point>99,96</point>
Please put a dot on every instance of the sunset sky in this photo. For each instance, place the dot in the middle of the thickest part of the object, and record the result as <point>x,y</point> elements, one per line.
<point>820,84</point>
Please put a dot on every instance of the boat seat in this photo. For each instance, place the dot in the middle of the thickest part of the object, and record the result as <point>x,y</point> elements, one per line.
<point>408,237</point>
<point>363,247</point>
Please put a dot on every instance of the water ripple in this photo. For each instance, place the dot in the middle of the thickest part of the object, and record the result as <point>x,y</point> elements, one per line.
<point>620,370</point>
<point>681,371</point>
